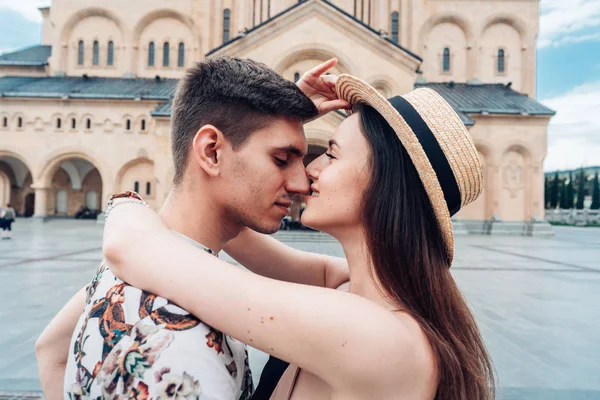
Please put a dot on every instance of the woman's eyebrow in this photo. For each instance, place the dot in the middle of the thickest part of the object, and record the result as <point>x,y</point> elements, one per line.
<point>332,142</point>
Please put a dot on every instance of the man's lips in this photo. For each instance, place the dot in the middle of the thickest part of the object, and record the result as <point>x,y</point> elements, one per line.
<point>286,204</point>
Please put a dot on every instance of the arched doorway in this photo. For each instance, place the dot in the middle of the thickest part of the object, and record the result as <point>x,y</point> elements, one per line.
<point>61,202</point>
<point>74,183</point>
<point>91,200</point>
<point>15,182</point>
<point>29,205</point>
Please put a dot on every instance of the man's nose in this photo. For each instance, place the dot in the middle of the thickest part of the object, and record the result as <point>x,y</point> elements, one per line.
<point>298,182</point>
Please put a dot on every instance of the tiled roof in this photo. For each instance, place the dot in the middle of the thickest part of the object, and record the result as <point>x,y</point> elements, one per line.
<point>88,88</point>
<point>30,56</point>
<point>466,99</point>
<point>469,99</point>
<point>163,109</point>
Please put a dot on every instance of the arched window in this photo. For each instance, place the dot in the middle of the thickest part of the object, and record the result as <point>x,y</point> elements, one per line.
<point>500,60</point>
<point>296,76</point>
<point>148,188</point>
<point>181,55</point>
<point>143,124</point>
<point>19,122</point>
<point>226,24</point>
<point>446,60</point>
<point>166,54</point>
<point>151,54</point>
<point>88,124</point>
<point>96,53</point>
<point>128,125</point>
<point>136,187</point>
<point>58,123</point>
<point>80,53</point>
<point>110,58</point>
<point>395,19</point>
<point>73,123</point>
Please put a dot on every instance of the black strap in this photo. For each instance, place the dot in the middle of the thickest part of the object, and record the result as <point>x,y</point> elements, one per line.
<point>271,374</point>
<point>432,149</point>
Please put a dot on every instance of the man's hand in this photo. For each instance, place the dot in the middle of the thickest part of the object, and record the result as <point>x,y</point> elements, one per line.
<point>320,88</point>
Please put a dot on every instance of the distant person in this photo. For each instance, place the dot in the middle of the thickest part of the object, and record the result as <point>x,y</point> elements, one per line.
<point>7,217</point>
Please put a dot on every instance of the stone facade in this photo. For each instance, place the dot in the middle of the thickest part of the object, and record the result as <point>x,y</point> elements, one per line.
<point>57,154</point>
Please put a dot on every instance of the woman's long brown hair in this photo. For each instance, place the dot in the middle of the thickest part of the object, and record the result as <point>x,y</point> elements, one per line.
<point>410,261</point>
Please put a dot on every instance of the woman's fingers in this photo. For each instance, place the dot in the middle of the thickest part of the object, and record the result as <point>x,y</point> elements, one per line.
<point>333,105</point>
<point>322,68</point>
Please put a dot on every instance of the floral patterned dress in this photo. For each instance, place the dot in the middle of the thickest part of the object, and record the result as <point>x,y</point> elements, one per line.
<point>131,344</point>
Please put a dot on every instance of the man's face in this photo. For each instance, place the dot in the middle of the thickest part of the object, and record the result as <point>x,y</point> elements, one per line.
<point>260,177</point>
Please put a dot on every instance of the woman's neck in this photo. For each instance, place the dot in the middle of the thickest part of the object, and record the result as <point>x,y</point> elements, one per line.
<point>362,277</point>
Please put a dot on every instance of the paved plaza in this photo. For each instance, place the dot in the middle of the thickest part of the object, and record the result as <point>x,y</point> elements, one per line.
<point>537,301</point>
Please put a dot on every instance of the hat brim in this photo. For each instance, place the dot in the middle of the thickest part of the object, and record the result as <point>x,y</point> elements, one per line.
<point>354,90</point>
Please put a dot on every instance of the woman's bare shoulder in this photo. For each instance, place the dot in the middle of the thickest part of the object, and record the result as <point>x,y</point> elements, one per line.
<point>411,362</point>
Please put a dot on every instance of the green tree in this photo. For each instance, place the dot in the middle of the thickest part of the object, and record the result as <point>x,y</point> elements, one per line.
<point>554,191</point>
<point>595,194</point>
<point>581,189</point>
<point>570,193</point>
<point>563,195</point>
<point>546,192</point>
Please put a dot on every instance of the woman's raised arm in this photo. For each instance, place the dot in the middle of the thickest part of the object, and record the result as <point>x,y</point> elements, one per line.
<point>338,336</point>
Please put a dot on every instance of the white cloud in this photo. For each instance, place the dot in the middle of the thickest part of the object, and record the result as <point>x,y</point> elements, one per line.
<point>568,21</point>
<point>28,8</point>
<point>574,132</point>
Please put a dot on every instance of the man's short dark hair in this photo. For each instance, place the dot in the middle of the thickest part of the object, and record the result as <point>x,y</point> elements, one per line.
<point>237,96</point>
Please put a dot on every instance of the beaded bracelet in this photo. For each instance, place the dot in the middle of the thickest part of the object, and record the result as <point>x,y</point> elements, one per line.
<point>122,198</point>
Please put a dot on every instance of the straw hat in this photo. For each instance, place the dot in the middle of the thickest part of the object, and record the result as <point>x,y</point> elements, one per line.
<point>437,142</point>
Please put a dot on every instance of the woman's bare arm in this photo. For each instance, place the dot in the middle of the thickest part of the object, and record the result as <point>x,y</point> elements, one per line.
<point>268,257</point>
<point>338,336</point>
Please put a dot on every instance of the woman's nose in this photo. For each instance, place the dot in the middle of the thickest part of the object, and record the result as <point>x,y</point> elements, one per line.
<point>314,168</point>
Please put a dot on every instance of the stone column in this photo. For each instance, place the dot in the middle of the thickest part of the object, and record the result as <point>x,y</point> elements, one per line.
<point>41,201</point>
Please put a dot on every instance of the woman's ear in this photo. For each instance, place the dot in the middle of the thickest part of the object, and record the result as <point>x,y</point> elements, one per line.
<point>207,147</point>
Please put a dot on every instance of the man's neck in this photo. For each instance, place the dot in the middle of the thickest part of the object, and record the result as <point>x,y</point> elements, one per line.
<point>192,214</point>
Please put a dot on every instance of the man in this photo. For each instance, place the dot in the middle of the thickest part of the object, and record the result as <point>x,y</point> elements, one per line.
<point>237,144</point>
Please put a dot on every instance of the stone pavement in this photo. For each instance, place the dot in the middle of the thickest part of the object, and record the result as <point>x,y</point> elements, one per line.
<point>537,301</point>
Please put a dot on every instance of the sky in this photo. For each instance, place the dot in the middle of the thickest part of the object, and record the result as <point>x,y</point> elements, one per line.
<point>568,71</point>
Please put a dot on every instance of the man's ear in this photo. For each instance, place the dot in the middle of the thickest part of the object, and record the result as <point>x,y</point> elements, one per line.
<point>207,148</point>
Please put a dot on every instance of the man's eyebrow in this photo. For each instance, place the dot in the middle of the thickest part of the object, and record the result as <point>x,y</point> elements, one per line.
<point>291,149</point>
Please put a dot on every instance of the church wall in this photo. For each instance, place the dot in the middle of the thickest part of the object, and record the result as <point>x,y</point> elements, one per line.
<point>365,60</point>
<point>511,148</point>
<point>514,149</point>
<point>486,25</point>
<point>10,70</point>
<point>108,146</point>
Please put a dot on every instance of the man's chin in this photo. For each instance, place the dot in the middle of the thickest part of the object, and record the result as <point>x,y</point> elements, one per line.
<point>264,229</point>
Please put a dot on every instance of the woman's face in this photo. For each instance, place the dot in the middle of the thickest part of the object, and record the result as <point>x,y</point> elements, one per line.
<point>339,178</point>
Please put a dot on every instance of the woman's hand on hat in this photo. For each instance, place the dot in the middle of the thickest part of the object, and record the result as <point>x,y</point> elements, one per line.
<point>320,88</point>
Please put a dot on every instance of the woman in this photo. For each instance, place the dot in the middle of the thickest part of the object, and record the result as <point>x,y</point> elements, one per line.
<point>404,330</point>
<point>7,217</point>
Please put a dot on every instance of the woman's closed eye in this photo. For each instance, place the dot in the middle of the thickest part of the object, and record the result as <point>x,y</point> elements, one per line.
<point>330,156</point>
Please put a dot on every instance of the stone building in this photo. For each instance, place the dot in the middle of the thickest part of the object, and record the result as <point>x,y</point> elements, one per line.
<point>86,112</point>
